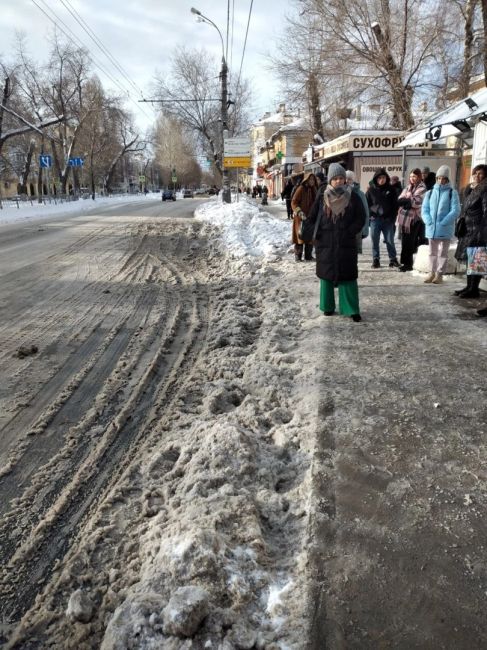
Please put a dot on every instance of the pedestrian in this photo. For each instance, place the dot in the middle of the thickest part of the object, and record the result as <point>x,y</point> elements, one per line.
<point>297,179</point>
<point>382,202</point>
<point>286,196</point>
<point>428,177</point>
<point>364,233</point>
<point>474,220</point>
<point>396,184</point>
<point>302,201</point>
<point>341,217</point>
<point>440,208</point>
<point>409,217</point>
<point>322,180</point>
<point>265,193</point>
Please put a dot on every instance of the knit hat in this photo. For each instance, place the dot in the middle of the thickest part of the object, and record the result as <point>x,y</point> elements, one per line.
<point>426,170</point>
<point>444,171</point>
<point>350,175</point>
<point>334,170</point>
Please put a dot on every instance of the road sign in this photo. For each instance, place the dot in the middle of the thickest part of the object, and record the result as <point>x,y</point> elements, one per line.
<point>75,162</point>
<point>174,179</point>
<point>237,161</point>
<point>141,178</point>
<point>45,161</point>
<point>236,147</point>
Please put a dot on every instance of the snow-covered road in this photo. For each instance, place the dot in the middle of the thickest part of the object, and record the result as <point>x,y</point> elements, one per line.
<point>194,457</point>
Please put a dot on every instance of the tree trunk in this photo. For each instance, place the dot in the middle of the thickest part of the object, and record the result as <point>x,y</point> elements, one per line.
<point>466,75</point>
<point>401,95</point>
<point>26,170</point>
<point>314,104</point>
<point>484,21</point>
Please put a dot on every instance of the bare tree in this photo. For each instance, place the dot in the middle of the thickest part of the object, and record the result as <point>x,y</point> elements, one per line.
<point>124,138</point>
<point>174,149</point>
<point>378,52</point>
<point>192,95</point>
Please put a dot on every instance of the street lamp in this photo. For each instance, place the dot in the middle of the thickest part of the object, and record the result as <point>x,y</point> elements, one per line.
<point>224,107</point>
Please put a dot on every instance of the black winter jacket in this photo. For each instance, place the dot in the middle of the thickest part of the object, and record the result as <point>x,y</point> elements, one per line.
<point>336,242</point>
<point>382,199</point>
<point>475,213</point>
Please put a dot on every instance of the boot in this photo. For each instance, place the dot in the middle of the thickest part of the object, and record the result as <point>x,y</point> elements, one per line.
<point>394,263</point>
<point>472,290</point>
<point>376,264</point>
<point>431,277</point>
<point>308,253</point>
<point>438,279</point>
<point>482,312</point>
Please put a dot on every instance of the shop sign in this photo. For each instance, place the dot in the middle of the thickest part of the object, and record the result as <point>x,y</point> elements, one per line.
<point>363,142</point>
<point>374,142</point>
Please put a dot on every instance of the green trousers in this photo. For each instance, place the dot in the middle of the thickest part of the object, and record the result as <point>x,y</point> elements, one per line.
<point>347,297</point>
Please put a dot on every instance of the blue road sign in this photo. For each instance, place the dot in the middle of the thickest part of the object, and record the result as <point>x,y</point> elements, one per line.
<point>45,161</point>
<point>75,162</point>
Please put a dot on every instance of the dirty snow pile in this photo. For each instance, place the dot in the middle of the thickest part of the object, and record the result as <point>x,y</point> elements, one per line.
<point>223,560</point>
<point>206,536</point>
<point>246,229</point>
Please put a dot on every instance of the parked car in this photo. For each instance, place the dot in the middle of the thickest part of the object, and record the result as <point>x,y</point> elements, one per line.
<point>169,195</point>
<point>187,194</point>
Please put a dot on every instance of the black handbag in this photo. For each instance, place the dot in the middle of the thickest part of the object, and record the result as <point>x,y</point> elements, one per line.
<point>460,228</point>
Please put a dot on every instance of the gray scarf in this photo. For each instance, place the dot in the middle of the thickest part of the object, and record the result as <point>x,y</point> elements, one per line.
<point>337,199</point>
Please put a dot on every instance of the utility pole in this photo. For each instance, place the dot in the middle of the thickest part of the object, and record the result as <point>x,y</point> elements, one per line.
<point>226,195</point>
<point>224,108</point>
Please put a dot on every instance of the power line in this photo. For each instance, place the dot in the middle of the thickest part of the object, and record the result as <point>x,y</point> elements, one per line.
<point>245,45</point>
<point>71,35</point>
<point>99,43</point>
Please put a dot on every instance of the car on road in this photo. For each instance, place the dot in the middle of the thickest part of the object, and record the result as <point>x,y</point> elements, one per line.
<point>187,194</point>
<point>169,195</point>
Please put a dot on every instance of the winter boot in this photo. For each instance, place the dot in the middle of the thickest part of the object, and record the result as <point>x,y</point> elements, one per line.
<point>308,253</point>
<point>394,264</point>
<point>438,279</point>
<point>472,290</point>
<point>376,264</point>
<point>431,278</point>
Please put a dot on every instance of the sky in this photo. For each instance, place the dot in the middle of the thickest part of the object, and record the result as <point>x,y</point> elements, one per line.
<point>142,35</point>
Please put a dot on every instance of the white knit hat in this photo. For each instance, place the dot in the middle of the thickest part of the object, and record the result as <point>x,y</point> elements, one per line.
<point>444,171</point>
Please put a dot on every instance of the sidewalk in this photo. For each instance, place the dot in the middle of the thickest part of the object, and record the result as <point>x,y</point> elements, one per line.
<point>400,485</point>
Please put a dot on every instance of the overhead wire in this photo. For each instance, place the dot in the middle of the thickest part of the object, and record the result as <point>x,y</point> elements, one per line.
<point>245,45</point>
<point>71,35</point>
<point>99,43</point>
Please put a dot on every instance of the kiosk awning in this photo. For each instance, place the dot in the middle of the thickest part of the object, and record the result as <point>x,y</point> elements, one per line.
<point>458,118</point>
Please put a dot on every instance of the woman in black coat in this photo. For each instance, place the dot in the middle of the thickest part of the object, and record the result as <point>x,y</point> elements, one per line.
<point>341,217</point>
<point>474,227</point>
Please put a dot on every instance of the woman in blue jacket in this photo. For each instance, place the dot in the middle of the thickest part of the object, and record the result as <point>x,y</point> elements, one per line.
<point>441,207</point>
